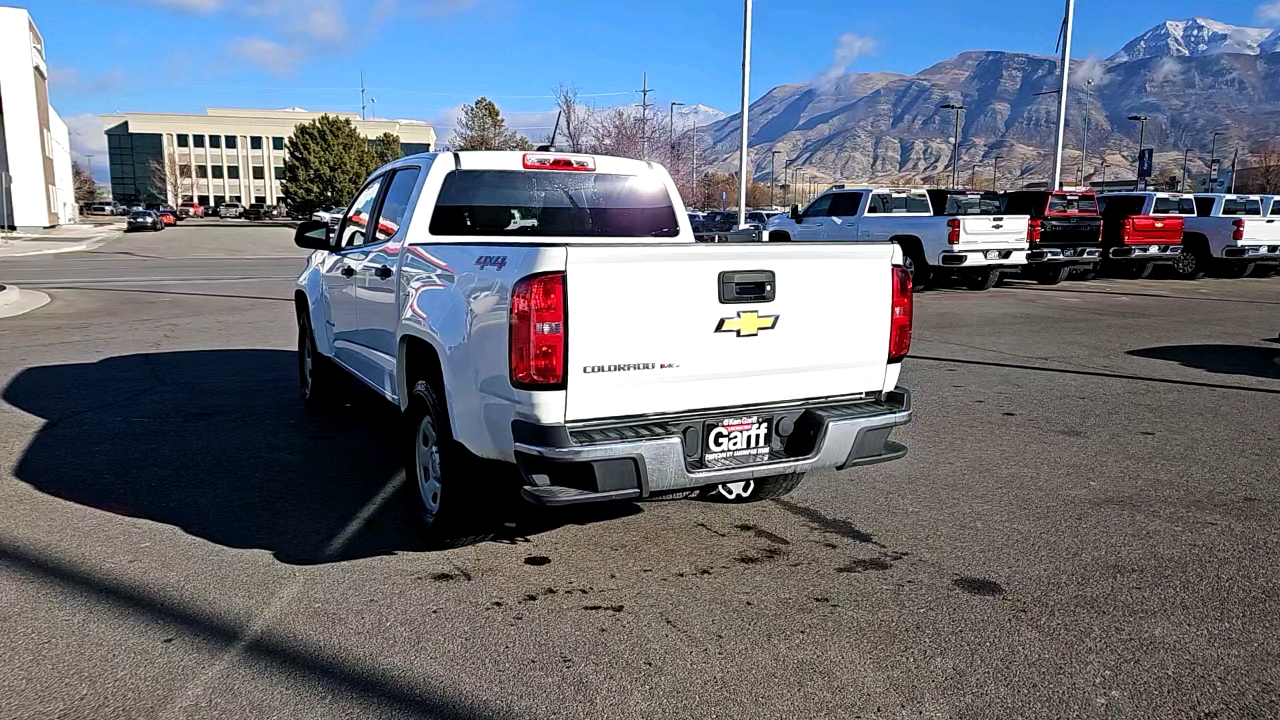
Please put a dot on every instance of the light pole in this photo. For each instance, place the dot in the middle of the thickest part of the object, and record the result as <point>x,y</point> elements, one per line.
<point>1234,160</point>
<point>973,174</point>
<point>994,170</point>
<point>693,164</point>
<point>1084,134</point>
<point>1104,174</point>
<point>1067,23</point>
<point>773,181</point>
<point>1213,150</point>
<point>374,101</point>
<point>955,143</point>
<point>1185,154</point>
<point>1142,135</point>
<point>671,126</point>
<point>746,98</point>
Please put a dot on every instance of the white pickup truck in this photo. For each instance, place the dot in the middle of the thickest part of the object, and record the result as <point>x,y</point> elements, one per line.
<point>965,234</point>
<point>553,311</point>
<point>1232,233</point>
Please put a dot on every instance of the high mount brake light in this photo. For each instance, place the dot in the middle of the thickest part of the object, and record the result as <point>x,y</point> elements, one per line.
<point>539,161</point>
<point>538,331</point>
<point>900,316</point>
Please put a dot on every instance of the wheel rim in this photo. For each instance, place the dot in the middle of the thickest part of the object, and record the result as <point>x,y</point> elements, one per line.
<point>909,265</point>
<point>736,490</point>
<point>428,456</point>
<point>1184,264</point>
<point>306,361</point>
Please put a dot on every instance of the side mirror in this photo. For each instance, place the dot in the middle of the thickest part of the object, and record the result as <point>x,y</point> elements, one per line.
<point>795,213</point>
<point>312,235</point>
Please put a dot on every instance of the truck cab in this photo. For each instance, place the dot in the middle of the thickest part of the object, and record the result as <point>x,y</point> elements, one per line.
<point>961,234</point>
<point>1141,230</point>
<point>1064,232</point>
<point>554,312</point>
<point>1231,234</point>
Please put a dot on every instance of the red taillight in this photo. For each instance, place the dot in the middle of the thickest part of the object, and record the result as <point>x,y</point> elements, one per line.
<point>1033,230</point>
<point>538,331</point>
<point>1126,231</point>
<point>1238,234</point>
<point>900,318</point>
<point>953,231</point>
<point>538,161</point>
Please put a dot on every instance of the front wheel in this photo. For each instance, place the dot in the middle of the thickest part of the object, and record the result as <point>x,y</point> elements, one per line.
<point>323,384</point>
<point>1188,266</point>
<point>749,491</point>
<point>983,279</point>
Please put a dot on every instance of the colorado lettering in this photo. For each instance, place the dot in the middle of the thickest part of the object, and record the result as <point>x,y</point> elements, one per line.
<point>629,367</point>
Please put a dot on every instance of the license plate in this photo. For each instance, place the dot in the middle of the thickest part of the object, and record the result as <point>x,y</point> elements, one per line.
<point>1069,252</point>
<point>740,440</point>
<point>993,254</point>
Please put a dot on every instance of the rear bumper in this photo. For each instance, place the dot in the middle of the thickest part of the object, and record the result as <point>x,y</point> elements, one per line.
<point>1252,252</point>
<point>1144,252</point>
<point>982,258</point>
<point>1064,255</point>
<point>653,457</point>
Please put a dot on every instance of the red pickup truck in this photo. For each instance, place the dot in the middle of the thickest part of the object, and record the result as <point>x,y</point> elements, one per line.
<point>1141,230</point>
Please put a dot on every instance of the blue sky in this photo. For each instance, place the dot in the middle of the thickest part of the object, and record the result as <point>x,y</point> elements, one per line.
<point>422,58</point>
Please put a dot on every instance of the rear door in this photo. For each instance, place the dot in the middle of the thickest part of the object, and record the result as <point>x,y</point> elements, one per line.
<point>665,329</point>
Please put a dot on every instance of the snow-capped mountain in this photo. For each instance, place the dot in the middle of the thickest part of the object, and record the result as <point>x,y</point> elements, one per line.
<point>1198,37</point>
<point>700,114</point>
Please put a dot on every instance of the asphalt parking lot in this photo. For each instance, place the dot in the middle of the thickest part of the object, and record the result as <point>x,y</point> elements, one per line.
<point>1086,525</point>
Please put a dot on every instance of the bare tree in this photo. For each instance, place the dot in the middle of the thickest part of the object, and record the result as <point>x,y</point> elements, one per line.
<point>575,118</point>
<point>86,189</point>
<point>1268,164</point>
<point>170,176</point>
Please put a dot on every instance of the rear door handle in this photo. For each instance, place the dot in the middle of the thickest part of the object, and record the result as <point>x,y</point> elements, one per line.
<point>382,272</point>
<point>347,271</point>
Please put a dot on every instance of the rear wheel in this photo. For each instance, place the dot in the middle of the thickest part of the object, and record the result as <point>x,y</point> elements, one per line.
<point>1188,266</point>
<point>913,261</point>
<point>981,279</point>
<point>1264,270</point>
<point>1052,274</point>
<point>447,501</point>
<point>748,491</point>
<point>1236,268</point>
<point>1135,270</point>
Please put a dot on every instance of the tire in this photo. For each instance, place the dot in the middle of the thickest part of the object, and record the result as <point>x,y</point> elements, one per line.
<point>1087,272</point>
<point>1052,275</point>
<point>913,260</point>
<point>1264,270</point>
<point>1236,269</point>
<point>983,279</point>
<point>446,501</point>
<point>1188,266</point>
<point>322,383</point>
<point>749,491</point>
<point>1134,270</point>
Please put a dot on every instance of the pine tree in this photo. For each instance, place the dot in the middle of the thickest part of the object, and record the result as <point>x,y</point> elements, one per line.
<point>481,127</point>
<point>86,188</point>
<point>386,147</point>
<point>327,161</point>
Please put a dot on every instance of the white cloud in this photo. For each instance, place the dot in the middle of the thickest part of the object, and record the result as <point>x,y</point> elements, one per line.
<point>70,81</point>
<point>275,57</point>
<point>1091,69</point>
<point>190,5</point>
<point>848,48</point>
<point>1269,12</point>
<point>87,139</point>
<point>1165,70</point>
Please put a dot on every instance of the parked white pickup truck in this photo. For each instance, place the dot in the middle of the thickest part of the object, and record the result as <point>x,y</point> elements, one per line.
<point>553,311</point>
<point>1231,234</point>
<point>966,234</point>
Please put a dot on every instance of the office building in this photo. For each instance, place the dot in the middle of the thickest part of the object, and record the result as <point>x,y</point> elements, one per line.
<point>224,155</point>
<point>36,186</point>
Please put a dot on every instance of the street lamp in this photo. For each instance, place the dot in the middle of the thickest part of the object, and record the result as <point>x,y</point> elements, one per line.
<point>955,143</point>
<point>746,100</point>
<point>773,180</point>
<point>1142,135</point>
<point>994,170</point>
<point>671,126</point>
<point>1185,153</point>
<point>1213,150</point>
<point>1084,133</point>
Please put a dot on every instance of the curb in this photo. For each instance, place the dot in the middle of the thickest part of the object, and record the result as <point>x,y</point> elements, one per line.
<point>86,244</point>
<point>8,295</point>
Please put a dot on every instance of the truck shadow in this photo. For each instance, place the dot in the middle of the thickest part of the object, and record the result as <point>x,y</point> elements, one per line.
<point>217,443</point>
<point>1252,360</point>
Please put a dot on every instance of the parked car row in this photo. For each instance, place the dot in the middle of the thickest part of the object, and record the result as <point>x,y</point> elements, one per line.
<point>978,236</point>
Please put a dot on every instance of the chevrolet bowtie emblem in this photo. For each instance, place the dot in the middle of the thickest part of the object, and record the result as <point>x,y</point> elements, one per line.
<point>749,323</point>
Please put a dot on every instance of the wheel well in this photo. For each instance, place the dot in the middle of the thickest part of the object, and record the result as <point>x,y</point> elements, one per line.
<point>909,243</point>
<point>779,236</point>
<point>300,303</point>
<point>419,361</point>
<point>1195,241</point>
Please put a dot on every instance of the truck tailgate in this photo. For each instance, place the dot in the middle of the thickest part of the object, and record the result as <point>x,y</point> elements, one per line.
<point>1071,230</point>
<point>1262,230</point>
<point>650,332</point>
<point>1000,231</point>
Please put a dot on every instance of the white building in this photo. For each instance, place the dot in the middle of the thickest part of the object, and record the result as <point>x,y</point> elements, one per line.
<point>224,155</point>
<point>36,186</point>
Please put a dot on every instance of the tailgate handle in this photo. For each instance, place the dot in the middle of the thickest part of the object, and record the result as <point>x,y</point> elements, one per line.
<point>747,286</point>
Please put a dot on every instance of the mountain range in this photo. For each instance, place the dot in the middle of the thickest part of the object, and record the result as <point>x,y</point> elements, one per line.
<point>1189,78</point>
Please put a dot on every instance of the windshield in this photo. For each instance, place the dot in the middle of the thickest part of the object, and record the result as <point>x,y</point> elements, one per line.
<point>139,216</point>
<point>1241,206</point>
<point>553,204</point>
<point>1064,203</point>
